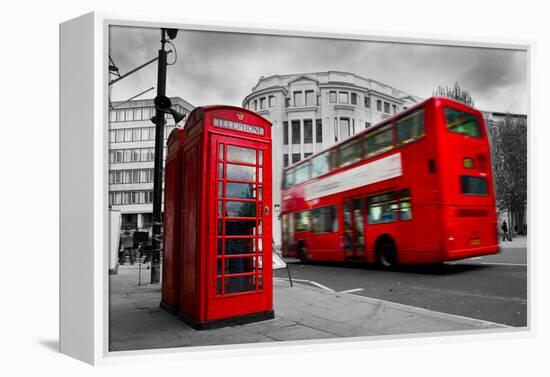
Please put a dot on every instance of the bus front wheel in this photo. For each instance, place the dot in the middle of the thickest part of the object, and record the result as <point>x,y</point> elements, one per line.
<point>386,254</point>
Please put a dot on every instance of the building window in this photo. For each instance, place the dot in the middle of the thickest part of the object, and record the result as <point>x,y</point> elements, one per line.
<point>367,102</point>
<point>112,116</point>
<point>394,108</point>
<point>128,134</point>
<point>262,103</point>
<point>318,99</point>
<point>138,113</point>
<point>318,131</point>
<point>354,98</point>
<point>335,129</point>
<point>310,98</point>
<point>367,124</point>
<point>306,155</point>
<point>272,101</point>
<point>308,131</point>
<point>285,160</point>
<point>145,133</point>
<point>298,99</point>
<point>378,105</point>
<point>332,97</point>
<point>119,156</point>
<point>129,114</point>
<point>146,113</point>
<point>119,137</point>
<point>296,134</point>
<point>344,128</point>
<point>120,116</point>
<point>287,102</point>
<point>295,157</point>
<point>343,97</point>
<point>387,107</point>
<point>285,133</point>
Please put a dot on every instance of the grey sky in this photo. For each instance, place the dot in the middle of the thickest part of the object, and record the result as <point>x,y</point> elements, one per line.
<point>221,68</point>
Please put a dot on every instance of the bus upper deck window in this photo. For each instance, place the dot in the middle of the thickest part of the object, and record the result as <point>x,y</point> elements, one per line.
<point>462,123</point>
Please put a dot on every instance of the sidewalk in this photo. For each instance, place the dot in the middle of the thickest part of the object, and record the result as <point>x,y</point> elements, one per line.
<point>301,313</point>
<point>517,242</point>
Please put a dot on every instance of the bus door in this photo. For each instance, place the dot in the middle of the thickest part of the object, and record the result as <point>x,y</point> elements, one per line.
<point>354,228</point>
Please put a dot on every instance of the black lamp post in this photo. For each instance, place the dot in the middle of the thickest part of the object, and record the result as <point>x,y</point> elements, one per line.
<point>163,105</point>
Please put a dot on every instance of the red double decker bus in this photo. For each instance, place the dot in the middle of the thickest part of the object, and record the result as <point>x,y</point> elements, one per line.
<point>415,188</point>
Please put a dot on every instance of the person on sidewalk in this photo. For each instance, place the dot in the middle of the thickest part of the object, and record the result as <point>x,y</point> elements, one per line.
<point>504,228</point>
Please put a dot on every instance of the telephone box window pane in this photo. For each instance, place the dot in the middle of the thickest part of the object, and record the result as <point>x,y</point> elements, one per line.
<point>239,228</point>
<point>260,179</point>
<point>239,190</point>
<point>220,246</point>
<point>240,154</point>
<point>241,173</point>
<point>239,265</point>
<point>240,284</point>
<point>220,227</point>
<point>234,246</point>
<point>220,267</point>
<point>220,189</point>
<point>221,152</point>
<point>240,209</point>
<point>220,170</point>
<point>261,158</point>
<point>260,192</point>
<point>219,286</point>
<point>220,208</point>
<point>260,282</point>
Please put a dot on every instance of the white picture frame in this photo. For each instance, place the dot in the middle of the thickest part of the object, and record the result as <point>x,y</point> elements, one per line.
<point>84,187</point>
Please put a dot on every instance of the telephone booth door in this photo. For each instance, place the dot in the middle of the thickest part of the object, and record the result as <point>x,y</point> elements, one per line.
<point>240,269</point>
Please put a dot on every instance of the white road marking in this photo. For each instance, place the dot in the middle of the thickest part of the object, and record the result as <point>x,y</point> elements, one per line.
<point>351,290</point>
<point>321,286</point>
<point>492,263</point>
<point>505,264</point>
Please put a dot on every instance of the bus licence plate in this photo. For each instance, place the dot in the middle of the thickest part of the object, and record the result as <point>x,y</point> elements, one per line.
<point>475,242</point>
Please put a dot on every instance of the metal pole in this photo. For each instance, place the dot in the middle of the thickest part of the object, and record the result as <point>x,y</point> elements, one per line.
<point>157,184</point>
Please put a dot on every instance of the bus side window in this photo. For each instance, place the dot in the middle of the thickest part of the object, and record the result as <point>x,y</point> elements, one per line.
<point>379,142</point>
<point>301,221</point>
<point>333,218</point>
<point>288,179</point>
<point>405,211</point>
<point>319,165</point>
<point>382,208</point>
<point>410,128</point>
<point>324,219</point>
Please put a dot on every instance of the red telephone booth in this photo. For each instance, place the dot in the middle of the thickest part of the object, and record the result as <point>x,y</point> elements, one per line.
<point>172,221</point>
<point>226,270</point>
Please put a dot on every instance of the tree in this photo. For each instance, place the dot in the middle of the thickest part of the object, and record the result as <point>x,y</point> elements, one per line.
<point>456,93</point>
<point>509,157</point>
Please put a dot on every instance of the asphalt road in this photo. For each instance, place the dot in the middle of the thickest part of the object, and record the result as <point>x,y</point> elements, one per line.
<point>492,288</point>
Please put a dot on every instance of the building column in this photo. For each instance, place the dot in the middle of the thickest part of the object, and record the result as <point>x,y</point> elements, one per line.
<point>140,221</point>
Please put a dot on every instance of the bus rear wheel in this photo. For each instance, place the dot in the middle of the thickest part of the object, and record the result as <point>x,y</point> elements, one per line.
<point>386,254</point>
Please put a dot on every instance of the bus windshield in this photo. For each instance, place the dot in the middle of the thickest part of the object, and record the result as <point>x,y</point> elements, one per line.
<point>462,123</point>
